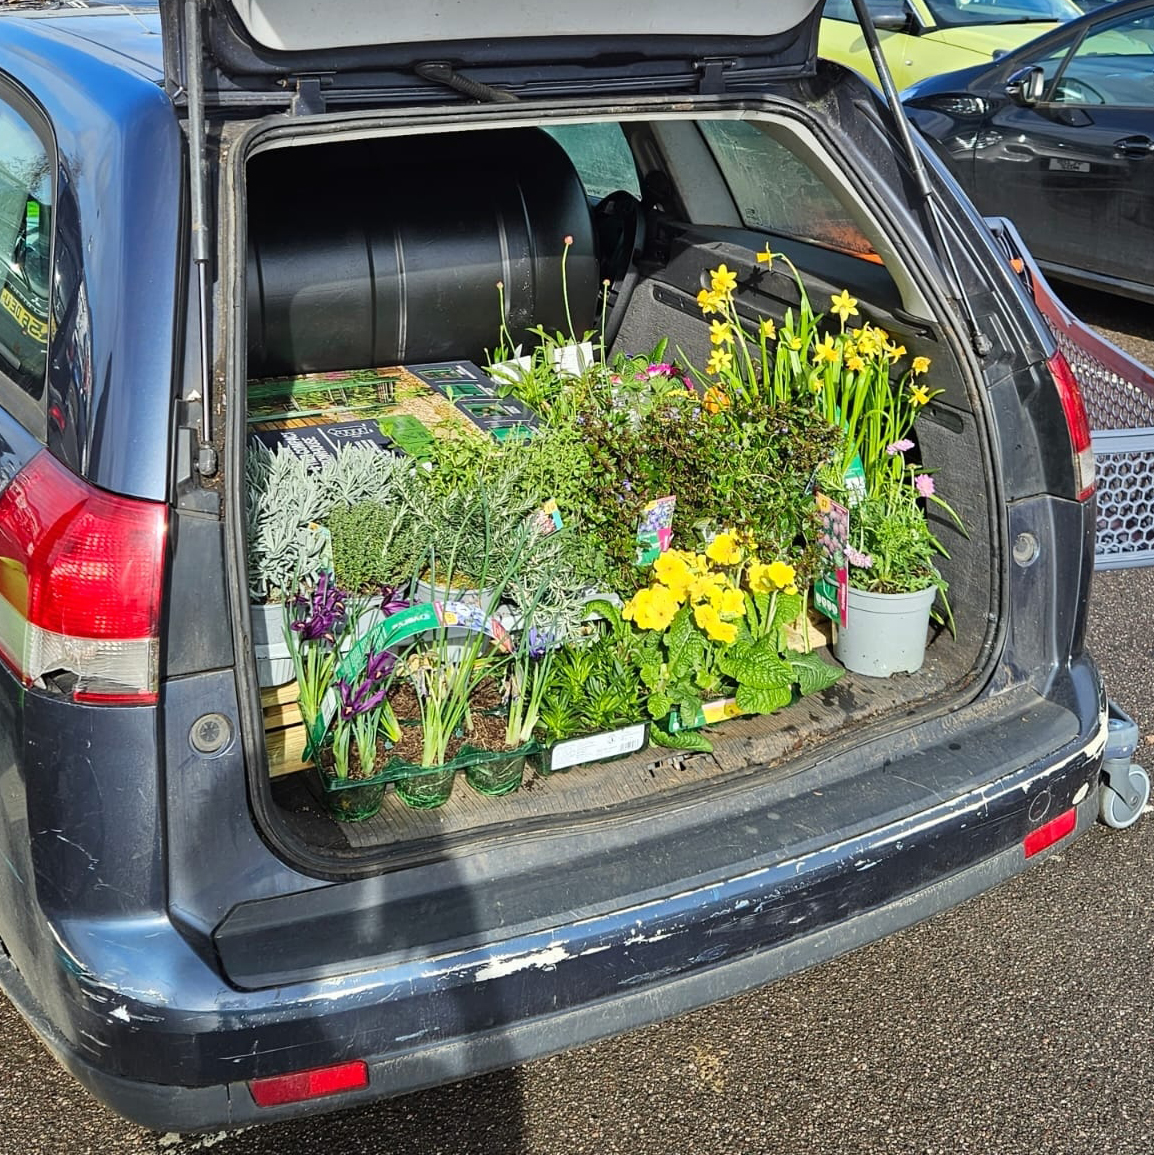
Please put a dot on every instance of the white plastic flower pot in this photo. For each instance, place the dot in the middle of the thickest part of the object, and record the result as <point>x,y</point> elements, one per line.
<point>886,633</point>
<point>274,662</point>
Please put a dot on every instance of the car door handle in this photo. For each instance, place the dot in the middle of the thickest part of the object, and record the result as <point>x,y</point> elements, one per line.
<point>1135,146</point>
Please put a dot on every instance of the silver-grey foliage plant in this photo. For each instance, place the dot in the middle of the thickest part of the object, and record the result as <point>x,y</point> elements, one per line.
<point>286,503</point>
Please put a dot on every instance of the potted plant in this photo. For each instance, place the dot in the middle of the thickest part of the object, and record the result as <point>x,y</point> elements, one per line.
<point>592,706</point>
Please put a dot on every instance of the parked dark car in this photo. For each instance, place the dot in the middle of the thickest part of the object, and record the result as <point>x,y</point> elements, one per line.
<point>340,185</point>
<point>1058,137</point>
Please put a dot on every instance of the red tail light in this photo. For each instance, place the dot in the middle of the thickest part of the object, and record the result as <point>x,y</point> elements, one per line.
<point>81,575</point>
<point>1077,422</point>
<point>314,1084</point>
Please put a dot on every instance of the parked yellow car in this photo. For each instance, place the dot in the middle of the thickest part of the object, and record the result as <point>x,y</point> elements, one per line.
<point>922,38</point>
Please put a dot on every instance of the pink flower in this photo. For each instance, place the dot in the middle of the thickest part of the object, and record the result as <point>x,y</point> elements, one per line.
<point>899,446</point>
<point>924,484</point>
<point>660,370</point>
<point>858,558</point>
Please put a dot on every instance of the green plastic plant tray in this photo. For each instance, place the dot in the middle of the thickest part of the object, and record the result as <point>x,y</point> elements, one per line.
<point>604,747</point>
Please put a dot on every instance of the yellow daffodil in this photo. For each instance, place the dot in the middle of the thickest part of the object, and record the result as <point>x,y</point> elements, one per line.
<point>719,359</point>
<point>710,621</point>
<point>843,305</point>
<point>919,395</point>
<point>920,365</point>
<point>895,352</point>
<point>765,258</point>
<point>855,363</point>
<point>826,351</point>
<point>709,301</point>
<point>722,280</point>
<point>720,333</point>
<point>650,609</point>
<point>715,400</point>
<point>768,329</point>
<point>794,342</point>
<point>724,550</point>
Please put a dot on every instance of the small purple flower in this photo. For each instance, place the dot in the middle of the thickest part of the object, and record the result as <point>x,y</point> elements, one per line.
<point>380,665</point>
<point>858,558</point>
<point>540,642</point>
<point>901,446</point>
<point>321,614</point>
<point>924,484</point>
<point>391,600</point>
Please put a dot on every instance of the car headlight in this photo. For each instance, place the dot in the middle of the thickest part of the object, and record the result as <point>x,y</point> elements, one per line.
<point>955,104</point>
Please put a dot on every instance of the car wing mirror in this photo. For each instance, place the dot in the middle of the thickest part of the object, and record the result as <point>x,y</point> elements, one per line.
<point>1026,86</point>
<point>896,21</point>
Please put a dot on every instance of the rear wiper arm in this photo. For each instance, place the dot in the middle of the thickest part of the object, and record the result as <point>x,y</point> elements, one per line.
<point>981,342</point>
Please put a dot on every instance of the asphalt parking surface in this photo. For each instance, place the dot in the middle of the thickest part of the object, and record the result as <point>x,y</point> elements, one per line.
<point>1022,1021</point>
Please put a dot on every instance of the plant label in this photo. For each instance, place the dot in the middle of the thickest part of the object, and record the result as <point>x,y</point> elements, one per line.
<point>655,530</point>
<point>595,748</point>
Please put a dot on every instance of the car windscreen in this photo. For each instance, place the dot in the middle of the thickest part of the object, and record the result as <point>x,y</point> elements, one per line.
<point>957,13</point>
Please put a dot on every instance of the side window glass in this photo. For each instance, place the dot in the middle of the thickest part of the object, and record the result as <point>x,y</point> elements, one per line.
<point>776,191</point>
<point>601,156</point>
<point>25,252</point>
<point>1113,65</point>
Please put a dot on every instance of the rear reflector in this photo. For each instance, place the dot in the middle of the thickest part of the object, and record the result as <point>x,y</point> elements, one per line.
<point>81,578</point>
<point>1077,422</point>
<point>314,1084</point>
<point>1056,828</point>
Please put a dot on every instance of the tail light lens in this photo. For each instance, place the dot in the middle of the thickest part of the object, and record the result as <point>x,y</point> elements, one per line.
<point>81,578</point>
<point>1077,422</point>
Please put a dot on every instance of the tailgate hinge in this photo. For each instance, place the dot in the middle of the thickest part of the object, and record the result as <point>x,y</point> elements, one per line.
<point>308,99</point>
<point>713,70</point>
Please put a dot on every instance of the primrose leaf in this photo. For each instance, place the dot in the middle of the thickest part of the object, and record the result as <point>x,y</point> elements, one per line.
<point>787,609</point>
<point>757,666</point>
<point>754,701</point>
<point>811,673</point>
<point>659,705</point>
<point>682,740</point>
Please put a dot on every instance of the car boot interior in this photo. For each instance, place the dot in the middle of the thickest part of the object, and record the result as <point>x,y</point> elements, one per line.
<point>387,251</point>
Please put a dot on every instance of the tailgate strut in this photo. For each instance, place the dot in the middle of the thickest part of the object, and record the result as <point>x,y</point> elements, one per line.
<point>981,343</point>
<point>194,79</point>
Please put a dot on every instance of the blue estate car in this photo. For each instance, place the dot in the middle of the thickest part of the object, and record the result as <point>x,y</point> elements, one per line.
<point>207,193</point>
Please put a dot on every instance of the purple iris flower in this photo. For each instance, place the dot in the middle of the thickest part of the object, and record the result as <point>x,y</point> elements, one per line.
<point>540,642</point>
<point>392,602</point>
<point>369,692</point>
<point>320,614</point>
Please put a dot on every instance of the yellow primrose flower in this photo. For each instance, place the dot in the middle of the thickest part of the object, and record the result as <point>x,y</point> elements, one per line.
<point>724,550</point>
<point>732,603</point>
<point>895,352</point>
<point>765,258</point>
<point>722,280</point>
<point>844,305</point>
<point>719,359</point>
<point>768,329</point>
<point>720,333</point>
<point>672,570</point>
<point>701,588</point>
<point>650,609</point>
<point>709,301</point>
<point>919,395</point>
<point>781,573</point>
<point>920,365</point>
<point>855,363</point>
<point>758,577</point>
<point>826,350</point>
<point>715,399</point>
<point>708,619</point>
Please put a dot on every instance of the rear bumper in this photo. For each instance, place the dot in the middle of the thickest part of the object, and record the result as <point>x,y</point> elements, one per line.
<point>186,1042</point>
